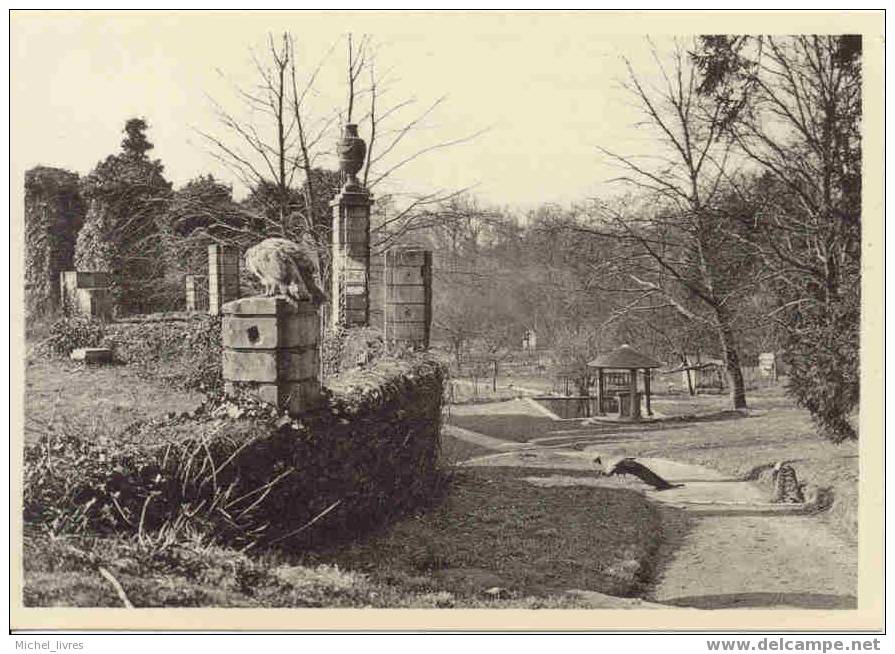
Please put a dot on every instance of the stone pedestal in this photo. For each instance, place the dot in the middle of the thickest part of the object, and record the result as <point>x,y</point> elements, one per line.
<point>270,349</point>
<point>87,293</point>
<point>351,259</point>
<point>223,277</point>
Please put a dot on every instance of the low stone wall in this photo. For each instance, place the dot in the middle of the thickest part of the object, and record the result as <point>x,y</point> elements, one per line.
<point>366,456</point>
<point>569,407</point>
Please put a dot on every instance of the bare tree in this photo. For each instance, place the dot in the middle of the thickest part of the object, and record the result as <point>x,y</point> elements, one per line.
<point>793,106</point>
<point>678,252</point>
<point>272,153</point>
<point>278,156</point>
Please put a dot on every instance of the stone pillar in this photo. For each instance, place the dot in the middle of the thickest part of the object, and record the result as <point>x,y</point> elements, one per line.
<point>401,295</point>
<point>192,293</point>
<point>351,259</point>
<point>87,293</point>
<point>270,350</point>
<point>223,277</point>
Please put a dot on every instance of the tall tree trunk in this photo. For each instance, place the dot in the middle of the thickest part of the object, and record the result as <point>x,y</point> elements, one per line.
<point>732,361</point>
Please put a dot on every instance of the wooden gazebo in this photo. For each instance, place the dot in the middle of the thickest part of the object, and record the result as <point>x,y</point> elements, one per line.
<point>627,397</point>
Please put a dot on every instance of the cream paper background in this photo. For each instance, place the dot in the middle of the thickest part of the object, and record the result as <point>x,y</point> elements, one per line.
<point>868,615</point>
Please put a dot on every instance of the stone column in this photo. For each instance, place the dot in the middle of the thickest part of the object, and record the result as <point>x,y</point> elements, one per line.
<point>192,293</point>
<point>223,277</point>
<point>350,300</point>
<point>270,350</point>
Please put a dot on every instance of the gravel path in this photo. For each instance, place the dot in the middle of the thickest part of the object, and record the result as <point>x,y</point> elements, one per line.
<point>741,552</point>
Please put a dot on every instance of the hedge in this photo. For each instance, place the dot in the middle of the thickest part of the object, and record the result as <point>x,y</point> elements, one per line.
<point>184,352</point>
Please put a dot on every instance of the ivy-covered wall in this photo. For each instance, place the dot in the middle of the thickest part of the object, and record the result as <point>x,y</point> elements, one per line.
<point>245,474</point>
<point>54,213</point>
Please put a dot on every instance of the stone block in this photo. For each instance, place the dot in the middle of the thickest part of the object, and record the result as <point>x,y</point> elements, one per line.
<point>405,276</point>
<point>406,313</point>
<point>74,279</point>
<point>356,301</point>
<point>354,275</point>
<point>349,199</point>
<point>357,234</point>
<point>407,294</point>
<point>407,331</point>
<point>269,332</point>
<point>262,305</point>
<point>408,257</point>
<point>92,355</point>
<point>270,365</point>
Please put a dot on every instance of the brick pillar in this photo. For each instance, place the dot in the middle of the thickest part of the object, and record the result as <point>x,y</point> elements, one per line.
<point>86,293</point>
<point>223,277</point>
<point>351,259</point>
<point>270,350</point>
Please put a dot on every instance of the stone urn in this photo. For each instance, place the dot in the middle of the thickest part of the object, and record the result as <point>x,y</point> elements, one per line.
<point>352,150</point>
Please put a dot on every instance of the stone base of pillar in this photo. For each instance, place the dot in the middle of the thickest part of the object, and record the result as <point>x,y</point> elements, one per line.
<point>271,351</point>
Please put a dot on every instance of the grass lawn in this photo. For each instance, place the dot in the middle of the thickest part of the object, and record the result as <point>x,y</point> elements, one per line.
<point>521,427</point>
<point>496,530</point>
<point>495,541</point>
<point>454,451</point>
<point>92,398</point>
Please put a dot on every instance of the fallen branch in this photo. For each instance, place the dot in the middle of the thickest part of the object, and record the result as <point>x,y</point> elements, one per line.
<point>117,586</point>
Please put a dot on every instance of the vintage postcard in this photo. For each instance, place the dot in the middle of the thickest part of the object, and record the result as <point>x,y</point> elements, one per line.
<point>575,317</point>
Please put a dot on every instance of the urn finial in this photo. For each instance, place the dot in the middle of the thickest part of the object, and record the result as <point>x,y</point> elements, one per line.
<point>352,150</point>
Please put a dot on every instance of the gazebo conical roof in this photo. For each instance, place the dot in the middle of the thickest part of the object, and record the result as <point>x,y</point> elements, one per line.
<point>624,358</point>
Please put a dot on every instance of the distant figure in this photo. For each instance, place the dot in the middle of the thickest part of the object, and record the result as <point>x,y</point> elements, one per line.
<point>287,268</point>
<point>786,485</point>
<point>628,466</point>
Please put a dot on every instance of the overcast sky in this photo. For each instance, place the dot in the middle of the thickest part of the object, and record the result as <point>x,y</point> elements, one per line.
<point>544,86</point>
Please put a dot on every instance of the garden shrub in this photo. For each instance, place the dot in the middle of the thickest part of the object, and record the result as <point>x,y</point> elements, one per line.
<point>185,353</point>
<point>248,475</point>
<point>824,369</point>
<point>347,348</point>
<point>54,212</point>
<point>71,332</point>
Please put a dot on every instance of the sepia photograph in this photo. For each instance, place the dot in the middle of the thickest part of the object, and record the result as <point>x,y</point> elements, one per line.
<point>571,316</point>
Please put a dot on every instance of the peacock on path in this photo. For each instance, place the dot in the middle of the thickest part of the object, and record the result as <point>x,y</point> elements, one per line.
<point>628,466</point>
<point>287,268</point>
